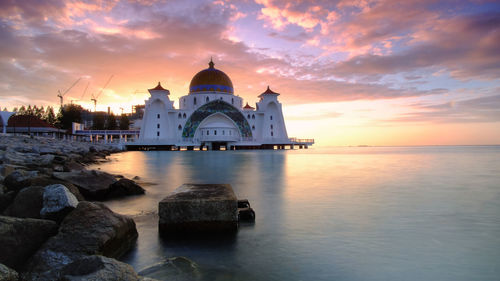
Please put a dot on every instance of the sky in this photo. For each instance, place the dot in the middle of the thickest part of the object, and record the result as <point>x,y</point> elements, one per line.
<point>358,72</point>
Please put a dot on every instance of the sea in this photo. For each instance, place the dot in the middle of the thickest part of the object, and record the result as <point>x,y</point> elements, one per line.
<point>330,213</point>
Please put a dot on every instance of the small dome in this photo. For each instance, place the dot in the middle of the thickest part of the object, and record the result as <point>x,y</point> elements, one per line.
<point>211,79</point>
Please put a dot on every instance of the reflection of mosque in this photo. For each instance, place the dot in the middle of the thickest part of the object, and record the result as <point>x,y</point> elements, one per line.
<point>211,116</point>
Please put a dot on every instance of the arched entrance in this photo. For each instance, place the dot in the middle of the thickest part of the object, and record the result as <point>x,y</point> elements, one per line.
<point>216,131</point>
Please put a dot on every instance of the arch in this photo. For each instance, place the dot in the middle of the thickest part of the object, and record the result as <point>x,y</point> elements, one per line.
<point>207,99</point>
<point>194,100</point>
<point>179,116</point>
<point>253,116</point>
<point>184,116</point>
<point>179,127</point>
<point>216,106</point>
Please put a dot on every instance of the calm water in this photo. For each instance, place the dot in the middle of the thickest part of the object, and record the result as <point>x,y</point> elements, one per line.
<point>387,213</point>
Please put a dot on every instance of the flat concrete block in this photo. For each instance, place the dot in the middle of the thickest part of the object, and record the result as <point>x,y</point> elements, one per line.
<point>199,208</point>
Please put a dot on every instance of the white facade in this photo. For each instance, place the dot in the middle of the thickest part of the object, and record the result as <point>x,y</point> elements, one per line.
<point>209,116</point>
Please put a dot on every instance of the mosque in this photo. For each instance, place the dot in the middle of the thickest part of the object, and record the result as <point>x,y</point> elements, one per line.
<point>212,117</point>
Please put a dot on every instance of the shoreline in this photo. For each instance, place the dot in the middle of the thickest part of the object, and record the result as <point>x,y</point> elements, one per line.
<point>29,167</point>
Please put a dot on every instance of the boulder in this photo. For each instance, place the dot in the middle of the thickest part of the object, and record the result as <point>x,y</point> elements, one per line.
<point>46,159</point>
<point>199,208</point>
<point>58,201</point>
<point>20,238</point>
<point>46,180</point>
<point>8,274</point>
<point>72,166</point>
<point>124,187</point>
<point>6,199</point>
<point>16,180</point>
<point>27,203</point>
<point>90,229</point>
<point>176,268</point>
<point>92,184</point>
<point>98,268</point>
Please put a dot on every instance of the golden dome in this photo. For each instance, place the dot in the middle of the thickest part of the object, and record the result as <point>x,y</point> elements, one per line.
<point>211,79</point>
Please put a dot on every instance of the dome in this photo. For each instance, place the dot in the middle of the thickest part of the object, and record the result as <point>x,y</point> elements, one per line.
<point>211,79</point>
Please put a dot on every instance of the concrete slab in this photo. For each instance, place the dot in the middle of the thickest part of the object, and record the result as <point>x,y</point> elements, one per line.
<point>199,208</point>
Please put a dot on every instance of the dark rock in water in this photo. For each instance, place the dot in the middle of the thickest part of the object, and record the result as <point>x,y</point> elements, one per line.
<point>20,238</point>
<point>246,214</point>
<point>8,274</point>
<point>92,184</point>
<point>90,229</point>
<point>199,208</point>
<point>98,268</point>
<point>243,203</point>
<point>176,268</point>
<point>16,180</point>
<point>124,187</point>
<point>45,180</point>
<point>57,202</point>
<point>136,178</point>
<point>27,204</point>
<point>6,199</point>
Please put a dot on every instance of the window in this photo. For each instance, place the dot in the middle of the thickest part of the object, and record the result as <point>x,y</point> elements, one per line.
<point>207,99</point>
<point>158,126</point>
<point>223,132</point>
<point>158,116</point>
<point>232,100</point>
<point>253,127</point>
<point>271,126</point>
<point>184,115</point>
<point>208,132</point>
<point>194,101</point>
<point>157,134</point>
<point>248,116</point>
<point>230,132</point>
<point>215,132</point>
<point>202,132</point>
<point>220,98</point>
<point>253,116</point>
<point>271,117</point>
<point>180,115</point>
<point>179,127</point>
<point>272,134</point>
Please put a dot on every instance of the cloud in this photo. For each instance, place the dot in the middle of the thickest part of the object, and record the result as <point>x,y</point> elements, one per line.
<point>476,110</point>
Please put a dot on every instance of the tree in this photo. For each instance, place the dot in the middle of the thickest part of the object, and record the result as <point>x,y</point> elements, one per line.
<point>111,122</point>
<point>22,110</point>
<point>124,122</point>
<point>68,114</point>
<point>98,121</point>
<point>50,116</point>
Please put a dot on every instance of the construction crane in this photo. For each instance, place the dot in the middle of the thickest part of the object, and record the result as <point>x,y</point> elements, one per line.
<point>61,95</point>
<point>94,98</point>
<point>84,91</point>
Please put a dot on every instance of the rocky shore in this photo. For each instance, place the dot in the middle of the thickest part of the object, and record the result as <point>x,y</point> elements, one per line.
<point>51,227</point>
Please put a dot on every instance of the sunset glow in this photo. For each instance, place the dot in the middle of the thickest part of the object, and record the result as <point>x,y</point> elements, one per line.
<point>348,72</point>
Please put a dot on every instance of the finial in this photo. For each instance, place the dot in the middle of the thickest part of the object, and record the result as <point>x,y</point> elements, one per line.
<point>268,87</point>
<point>211,63</point>
<point>159,83</point>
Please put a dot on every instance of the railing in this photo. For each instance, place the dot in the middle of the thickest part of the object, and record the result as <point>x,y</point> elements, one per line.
<point>107,132</point>
<point>296,140</point>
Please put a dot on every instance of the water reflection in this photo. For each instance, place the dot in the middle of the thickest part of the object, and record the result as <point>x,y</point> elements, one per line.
<point>417,213</point>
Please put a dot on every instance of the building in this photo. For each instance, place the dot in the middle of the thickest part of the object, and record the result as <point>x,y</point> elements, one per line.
<point>211,116</point>
<point>32,125</point>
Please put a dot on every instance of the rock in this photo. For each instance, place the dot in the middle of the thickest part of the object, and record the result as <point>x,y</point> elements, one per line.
<point>246,214</point>
<point>16,181</point>
<point>98,268</point>
<point>6,169</point>
<point>46,159</point>
<point>92,149</point>
<point>199,208</point>
<point>136,178</point>
<point>8,274</point>
<point>72,166</point>
<point>27,203</point>
<point>58,201</point>
<point>90,229</point>
<point>45,180</point>
<point>124,187</point>
<point>92,184</point>
<point>176,268</point>
<point>20,238</point>
<point>6,199</point>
